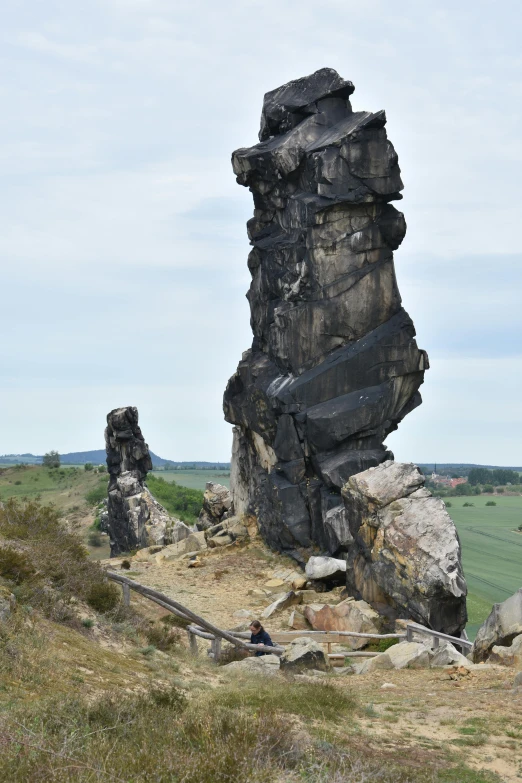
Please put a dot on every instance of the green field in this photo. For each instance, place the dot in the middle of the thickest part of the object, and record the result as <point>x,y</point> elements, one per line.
<point>491,551</point>
<point>195,479</point>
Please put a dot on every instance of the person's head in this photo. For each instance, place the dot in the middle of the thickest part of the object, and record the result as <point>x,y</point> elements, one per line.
<point>255,626</point>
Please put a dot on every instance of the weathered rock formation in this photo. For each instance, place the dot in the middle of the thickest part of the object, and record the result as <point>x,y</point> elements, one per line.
<point>500,629</point>
<point>405,558</point>
<point>134,519</point>
<point>334,365</point>
<point>217,502</point>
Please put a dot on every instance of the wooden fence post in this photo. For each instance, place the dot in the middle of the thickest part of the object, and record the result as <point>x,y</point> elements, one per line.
<point>193,643</point>
<point>216,649</point>
<point>126,594</point>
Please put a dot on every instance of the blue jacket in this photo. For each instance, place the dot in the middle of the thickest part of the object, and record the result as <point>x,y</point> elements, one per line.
<point>261,638</point>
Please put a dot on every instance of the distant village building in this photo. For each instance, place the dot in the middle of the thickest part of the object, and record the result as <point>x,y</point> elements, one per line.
<point>446,481</point>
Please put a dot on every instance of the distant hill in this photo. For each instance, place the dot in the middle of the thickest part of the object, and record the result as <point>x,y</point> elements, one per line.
<point>97,457</point>
<point>460,467</point>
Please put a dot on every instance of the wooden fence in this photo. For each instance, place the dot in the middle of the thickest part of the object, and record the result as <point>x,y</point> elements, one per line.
<point>198,627</point>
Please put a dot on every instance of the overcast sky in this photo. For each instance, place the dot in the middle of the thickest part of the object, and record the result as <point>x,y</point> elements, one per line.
<point>122,231</point>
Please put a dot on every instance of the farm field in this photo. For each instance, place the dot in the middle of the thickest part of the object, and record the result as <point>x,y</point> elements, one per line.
<point>491,551</point>
<point>194,479</point>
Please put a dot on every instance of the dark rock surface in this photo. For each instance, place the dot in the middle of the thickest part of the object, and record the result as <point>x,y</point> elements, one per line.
<point>134,518</point>
<point>334,366</point>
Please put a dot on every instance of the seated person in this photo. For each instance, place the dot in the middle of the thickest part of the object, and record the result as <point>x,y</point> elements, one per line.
<point>259,636</point>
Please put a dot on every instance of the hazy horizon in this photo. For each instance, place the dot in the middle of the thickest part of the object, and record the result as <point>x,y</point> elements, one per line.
<point>123,244</point>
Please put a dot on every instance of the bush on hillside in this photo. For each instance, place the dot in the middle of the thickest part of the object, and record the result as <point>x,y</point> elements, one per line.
<point>488,488</point>
<point>103,597</point>
<point>182,502</point>
<point>88,466</point>
<point>96,495</point>
<point>48,562</point>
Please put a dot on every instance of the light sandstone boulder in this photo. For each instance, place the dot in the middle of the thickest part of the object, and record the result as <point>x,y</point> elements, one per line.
<point>406,552</point>
<point>406,655</point>
<point>276,586</point>
<point>357,616</point>
<point>325,569</point>
<point>223,539</point>
<point>518,680</point>
<point>217,502</point>
<point>304,653</point>
<point>260,666</point>
<point>194,543</point>
<point>447,655</point>
<point>500,628</point>
<point>283,602</point>
<point>298,622</point>
<point>508,656</point>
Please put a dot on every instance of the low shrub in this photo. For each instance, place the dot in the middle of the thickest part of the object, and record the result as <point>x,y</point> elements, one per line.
<point>95,538</point>
<point>103,597</point>
<point>96,495</point>
<point>15,565</point>
<point>468,505</point>
<point>491,503</point>
<point>448,503</point>
<point>162,637</point>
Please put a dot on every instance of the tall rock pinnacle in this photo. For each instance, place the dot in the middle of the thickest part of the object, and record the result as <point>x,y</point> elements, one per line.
<point>334,366</point>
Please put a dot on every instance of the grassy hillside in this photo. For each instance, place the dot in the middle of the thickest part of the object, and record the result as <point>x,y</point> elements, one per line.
<point>491,550</point>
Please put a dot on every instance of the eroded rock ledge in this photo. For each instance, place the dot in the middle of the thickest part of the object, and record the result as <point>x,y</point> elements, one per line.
<point>334,366</point>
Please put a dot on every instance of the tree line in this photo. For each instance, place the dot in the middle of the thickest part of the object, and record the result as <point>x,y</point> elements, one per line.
<point>498,476</point>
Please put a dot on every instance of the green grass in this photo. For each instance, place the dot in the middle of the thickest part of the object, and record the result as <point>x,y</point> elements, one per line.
<point>491,552</point>
<point>180,501</point>
<point>194,479</point>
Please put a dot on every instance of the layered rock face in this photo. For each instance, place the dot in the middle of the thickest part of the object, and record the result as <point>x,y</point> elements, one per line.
<point>134,518</point>
<point>334,365</point>
<point>405,556</point>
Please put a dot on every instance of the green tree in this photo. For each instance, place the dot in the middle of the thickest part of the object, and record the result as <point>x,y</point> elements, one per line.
<point>88,466</point>
<point>51,459</point>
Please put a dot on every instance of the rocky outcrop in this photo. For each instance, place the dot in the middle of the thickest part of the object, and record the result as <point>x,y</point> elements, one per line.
<point>334,365</point>
<point>304,653</point>
<point>134,519</point>
<point>326,569</point>
<point>217,502</point>
<point>349,615</point>
<point>503,624</point>
<point>405,558</point>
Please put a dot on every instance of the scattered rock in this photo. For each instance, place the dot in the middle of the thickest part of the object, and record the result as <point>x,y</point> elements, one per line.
<point>406,552</point>
<point>304,653</point>
<point>518,680</point>
<point>190,545</point>
<point>283,602</point>
<point>313,597</point>
<point>326,569</point>
<point>298,621</point>
<point>508,656</point>
<point>195,562</point>
<point>446,654</point>
<point>406,655</point>
<point>223,539</point>
<point>262,665</point>
<point>217,502</point>
<point>299,583</point>
<point>500,628</point>
<point>387,686</point>
<point>276,586</point>
<point>243,614</point>
<point>357,616</point>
